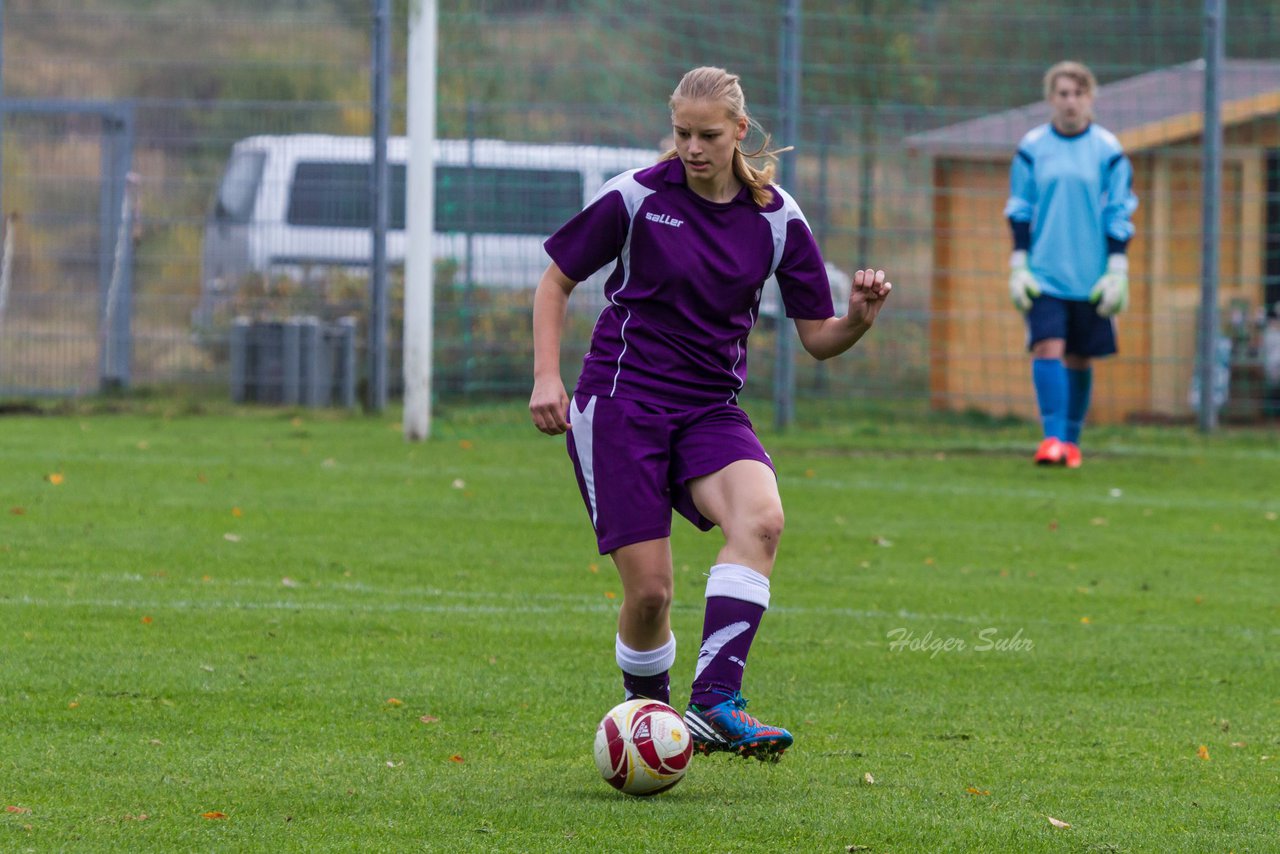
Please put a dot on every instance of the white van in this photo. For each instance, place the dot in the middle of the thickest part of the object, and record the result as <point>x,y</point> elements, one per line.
<point>292,205</point>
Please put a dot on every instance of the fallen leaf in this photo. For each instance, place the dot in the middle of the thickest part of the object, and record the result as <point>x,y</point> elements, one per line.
<point>594,568</point>
<point>288,582</point>
<point>73,705</point>
<point>1056,822</point>
<point>881,541</point>
<point>928,561</point>
<point>1098,520</point>
<point>1085,620</point>
<point>868,779</point>
<point>146,621</point>
<point>810,473</point>
<point>465,444</point>
<point>213,814</point>
<point>237,512</point>
<point>1203,752</point>
<point>459,483</point>
<point>18,810</point>
<point>392,701</point>
<point>18,511</point>
<point>429,719</point>
<point>206,668</point>
<point>55,478</point>
<point>139,817</point>
<point>974,791</point>
<point>329,462</point>
<point>143,445</point>
<point>457,757</point>
<point>1237,744</point>
<point>609,594</point>
<point>231,538</point>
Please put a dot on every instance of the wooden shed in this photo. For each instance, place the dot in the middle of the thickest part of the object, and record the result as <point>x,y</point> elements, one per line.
<point>978,340</point>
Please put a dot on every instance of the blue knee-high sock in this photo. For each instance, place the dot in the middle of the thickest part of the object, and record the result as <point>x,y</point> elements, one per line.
<point>1050,378</point>
<point>1079,385</point>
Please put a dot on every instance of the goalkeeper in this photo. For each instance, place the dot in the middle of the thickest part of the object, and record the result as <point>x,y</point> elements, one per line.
<point>1069,206</point>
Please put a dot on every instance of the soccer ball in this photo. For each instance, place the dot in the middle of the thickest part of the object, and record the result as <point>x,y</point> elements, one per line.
<point>643,747</point>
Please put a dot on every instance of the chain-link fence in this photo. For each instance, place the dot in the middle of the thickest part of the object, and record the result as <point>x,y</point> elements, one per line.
<point>250,164</point>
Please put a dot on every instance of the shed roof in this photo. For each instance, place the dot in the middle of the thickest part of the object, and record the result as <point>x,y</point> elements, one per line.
<point>1155,108</point>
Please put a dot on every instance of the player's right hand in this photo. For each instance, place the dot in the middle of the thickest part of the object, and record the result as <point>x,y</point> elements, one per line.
<point>549,406</point>
<point>1022,285</point>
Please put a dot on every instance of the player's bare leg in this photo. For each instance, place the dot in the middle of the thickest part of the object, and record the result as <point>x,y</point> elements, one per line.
<point>645,647</point>
<point>743,500</point>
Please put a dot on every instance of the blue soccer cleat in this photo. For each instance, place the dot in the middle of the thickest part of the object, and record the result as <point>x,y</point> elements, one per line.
<point>726,727</point>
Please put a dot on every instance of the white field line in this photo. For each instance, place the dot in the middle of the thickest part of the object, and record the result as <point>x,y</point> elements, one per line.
<point>526,603</point>
<point>1131,499</point>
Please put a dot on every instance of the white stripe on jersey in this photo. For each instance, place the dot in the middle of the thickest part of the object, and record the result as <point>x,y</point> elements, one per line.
<point>778,224</point>
<point>633,194</point>
<point>581,421</point>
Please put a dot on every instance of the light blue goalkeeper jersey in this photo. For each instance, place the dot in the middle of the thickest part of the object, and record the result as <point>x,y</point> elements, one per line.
<point>1076,194</point>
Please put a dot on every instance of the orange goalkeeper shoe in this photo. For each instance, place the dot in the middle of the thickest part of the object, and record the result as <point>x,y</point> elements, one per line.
<point>1071,455</point>
<point>1052,452</point>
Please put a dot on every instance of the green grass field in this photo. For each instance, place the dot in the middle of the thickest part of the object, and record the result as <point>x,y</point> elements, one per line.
<point>256,630</point>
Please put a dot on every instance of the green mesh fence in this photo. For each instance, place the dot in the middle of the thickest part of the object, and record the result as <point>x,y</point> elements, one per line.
<point>910,114</point>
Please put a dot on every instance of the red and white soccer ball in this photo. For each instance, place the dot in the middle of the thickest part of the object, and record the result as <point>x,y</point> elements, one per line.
<point>643,747</point>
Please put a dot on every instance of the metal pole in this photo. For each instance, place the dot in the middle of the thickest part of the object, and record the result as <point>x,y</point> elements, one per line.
<point>469,280</point>
<point>784,369</point>
<point>2,114</point>
<point>381,206</point>
<point>420,195</point>
<point>1211,226</point>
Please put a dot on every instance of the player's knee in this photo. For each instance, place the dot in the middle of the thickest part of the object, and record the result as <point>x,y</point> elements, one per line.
<point>650,602</point>
<point>763,527</point>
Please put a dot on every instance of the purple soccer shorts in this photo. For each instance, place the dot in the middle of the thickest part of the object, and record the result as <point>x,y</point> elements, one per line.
<point>634,461</point>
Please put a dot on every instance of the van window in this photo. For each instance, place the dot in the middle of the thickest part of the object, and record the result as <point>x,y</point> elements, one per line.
<point>336,195</point>
<point>482,200</point>
<point>491,200</point>
<point>239,187</point>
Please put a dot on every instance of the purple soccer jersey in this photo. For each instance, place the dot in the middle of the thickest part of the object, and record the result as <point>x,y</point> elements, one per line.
<point>685,289</point>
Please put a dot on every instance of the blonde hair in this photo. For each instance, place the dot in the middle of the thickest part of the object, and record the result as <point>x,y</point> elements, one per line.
<point>1078,72</point>
<point>718,86</point>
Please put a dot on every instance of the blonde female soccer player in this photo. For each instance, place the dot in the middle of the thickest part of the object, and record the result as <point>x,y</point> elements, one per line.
<point>655,419</point>
<point>1070,200</point>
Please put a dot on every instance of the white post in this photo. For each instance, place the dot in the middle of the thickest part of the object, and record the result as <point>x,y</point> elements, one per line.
<point>419,261</point>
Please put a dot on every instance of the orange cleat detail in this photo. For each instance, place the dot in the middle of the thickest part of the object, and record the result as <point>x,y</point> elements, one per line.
<point>1052,452</point>
<point>1071,455</point>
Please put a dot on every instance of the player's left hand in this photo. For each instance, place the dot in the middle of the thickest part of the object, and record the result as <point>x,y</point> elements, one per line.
<point>1111,293</point>
<point>867,296</point>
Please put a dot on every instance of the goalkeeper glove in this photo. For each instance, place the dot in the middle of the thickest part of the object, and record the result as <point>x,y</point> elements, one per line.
<point>1111,293</point>
<point>1022,285</point>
